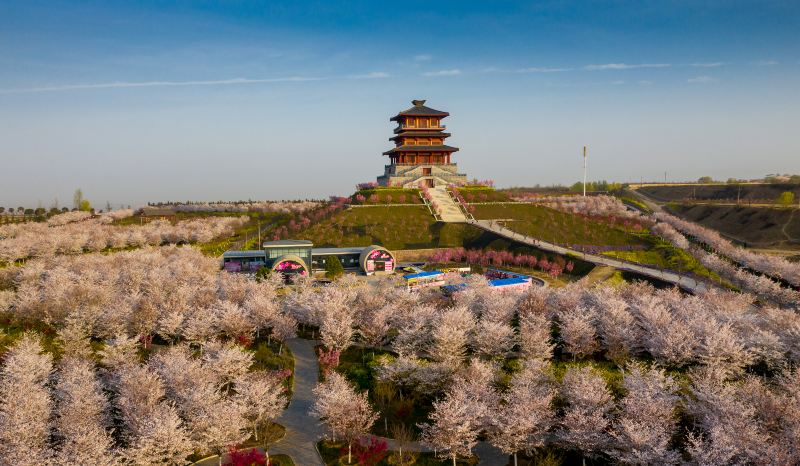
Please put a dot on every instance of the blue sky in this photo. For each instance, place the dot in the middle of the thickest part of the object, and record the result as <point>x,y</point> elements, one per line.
<point>145,101</point>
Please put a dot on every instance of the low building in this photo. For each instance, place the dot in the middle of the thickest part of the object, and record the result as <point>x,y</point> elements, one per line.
<point>425,279</point>
<point>498,280</point>
<point>300,256</point>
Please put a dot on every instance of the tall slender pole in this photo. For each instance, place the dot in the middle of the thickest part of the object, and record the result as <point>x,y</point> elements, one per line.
<point>584,171</point>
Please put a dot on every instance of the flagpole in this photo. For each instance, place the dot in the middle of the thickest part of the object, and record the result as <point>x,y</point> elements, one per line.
<point>584,171</point>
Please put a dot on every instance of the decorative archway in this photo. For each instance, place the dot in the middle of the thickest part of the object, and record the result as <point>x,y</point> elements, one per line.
<point>290,264</point>
<point>376,259</point>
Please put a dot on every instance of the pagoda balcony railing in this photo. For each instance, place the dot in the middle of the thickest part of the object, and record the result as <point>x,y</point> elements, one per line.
<point>421,163</point>
<point>423,127</point>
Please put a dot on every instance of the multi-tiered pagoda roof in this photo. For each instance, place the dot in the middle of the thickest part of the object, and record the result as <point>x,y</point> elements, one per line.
<point>419,136</point>
<point>420,157</point>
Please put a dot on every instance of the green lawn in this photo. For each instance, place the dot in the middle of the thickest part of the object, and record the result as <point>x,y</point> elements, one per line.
<point>384,195</point>
<point>559,227</point>
<point>666,256</point>
<point>482,194</point>
<point>394,227</point>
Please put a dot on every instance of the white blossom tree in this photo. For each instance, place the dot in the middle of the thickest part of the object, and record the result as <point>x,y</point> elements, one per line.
<point>586,421</point>
<point>455,425</point>
<point>25,404</point>
<point>82,416</point>
<point>577,331</point>
<point>646,421</point>
<point>342,410</point>
<point>524,416</point>
<point>263,398</point>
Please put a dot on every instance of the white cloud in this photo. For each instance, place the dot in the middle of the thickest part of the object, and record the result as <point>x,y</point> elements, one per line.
<point>624,66</point>
<point>137,84</point>
<point>454,72</point>
<point>618,82</point>
<point>701,80</point>
<point>423,57</point>
<point>707,65</point>
<point>765,63</point>
<point>372,75</point>
<point>542,70</point>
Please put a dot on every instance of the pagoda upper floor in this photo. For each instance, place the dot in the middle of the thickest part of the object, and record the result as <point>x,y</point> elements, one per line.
<point>419,136</point>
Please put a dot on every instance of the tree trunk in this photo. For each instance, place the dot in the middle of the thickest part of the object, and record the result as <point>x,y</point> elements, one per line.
<point>349,452</point>
<point>280,349</point>
<point>267,454</point>
<point>584,460</point>
<point>454,460</point>
<point>255,430</point>
<point>515,458</point>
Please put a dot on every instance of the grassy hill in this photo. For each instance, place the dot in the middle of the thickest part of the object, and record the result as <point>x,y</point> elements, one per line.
<point>757,226</point>
<point>395,227</point>
<point>755,193</point>
<point>559,227</point>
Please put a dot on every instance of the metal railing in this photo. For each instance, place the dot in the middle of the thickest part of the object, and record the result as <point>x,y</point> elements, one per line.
<point>630,266</point>
<point>461,206</point>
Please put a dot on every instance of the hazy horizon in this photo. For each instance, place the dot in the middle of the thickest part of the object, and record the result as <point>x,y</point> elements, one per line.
<point>158,101</point>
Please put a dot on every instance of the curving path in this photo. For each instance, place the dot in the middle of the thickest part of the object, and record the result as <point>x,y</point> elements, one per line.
<point>685,282</point>
<point>302,430</point>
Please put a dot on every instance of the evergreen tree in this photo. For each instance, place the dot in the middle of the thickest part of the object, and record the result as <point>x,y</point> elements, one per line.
<point>333,267</point>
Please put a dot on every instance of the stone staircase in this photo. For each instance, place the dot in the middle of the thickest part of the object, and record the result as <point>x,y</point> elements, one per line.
<point>447,208</point>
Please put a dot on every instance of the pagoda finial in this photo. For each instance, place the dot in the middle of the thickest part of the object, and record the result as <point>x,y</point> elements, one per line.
<point>418,102</point>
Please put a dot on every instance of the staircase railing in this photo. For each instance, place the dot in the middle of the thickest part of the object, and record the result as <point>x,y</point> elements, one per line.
<point>430,207</point>
<point>461,206</point>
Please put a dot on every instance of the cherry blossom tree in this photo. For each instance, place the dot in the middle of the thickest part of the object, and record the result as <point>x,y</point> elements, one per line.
<point>262,396</point>
<point>586,421</point>
<point>82,415</point>
<point>578,332</point>
<point>534,336</point>
<point>342,410</point>
<point>449,335</point>
<point>646,421</point>
<point>455,425</point>
<point>161,438</point>
<point>493,339</point>
<point>25,403</point>
<point>524,416</point>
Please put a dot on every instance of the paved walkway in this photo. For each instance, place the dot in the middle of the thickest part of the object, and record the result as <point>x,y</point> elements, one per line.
<point>302,430</point>
<point>687,283</point>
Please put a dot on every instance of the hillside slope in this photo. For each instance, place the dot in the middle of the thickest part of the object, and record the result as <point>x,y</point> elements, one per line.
<point>748,193</point>
<point>756,226</point>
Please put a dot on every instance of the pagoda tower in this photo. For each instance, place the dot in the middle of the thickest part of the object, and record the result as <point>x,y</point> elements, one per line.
<point>420,156</point>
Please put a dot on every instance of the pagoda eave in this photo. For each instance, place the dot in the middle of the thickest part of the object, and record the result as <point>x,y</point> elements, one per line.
<point>402,149</point>
<point>425,134</point>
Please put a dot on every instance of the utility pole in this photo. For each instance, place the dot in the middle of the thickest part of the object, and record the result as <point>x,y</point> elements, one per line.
<point>665,177</point>
<point>259,235</point>
<point>584,171</point>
